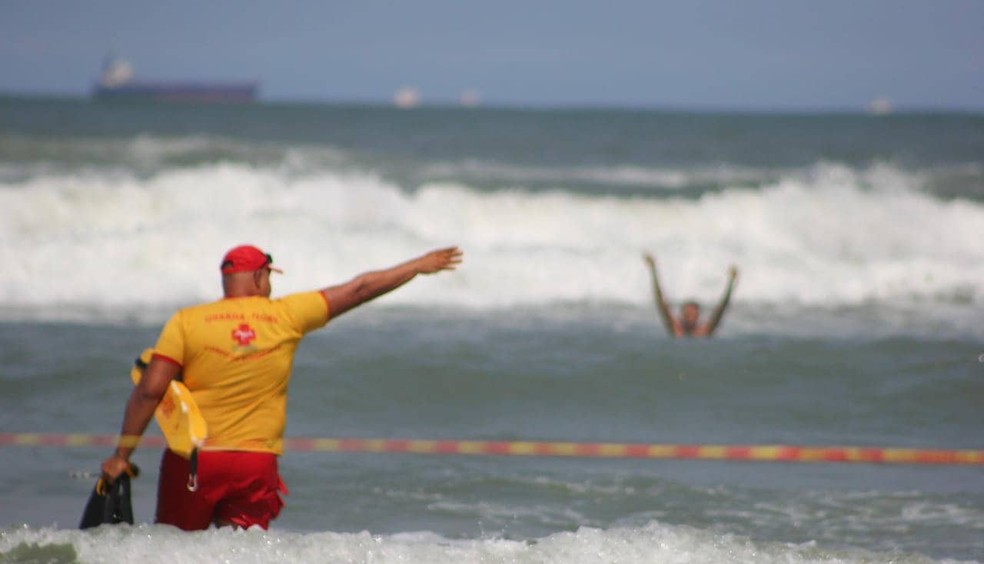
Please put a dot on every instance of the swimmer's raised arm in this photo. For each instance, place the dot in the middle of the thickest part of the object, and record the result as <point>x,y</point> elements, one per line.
<point>672,325</point>
<point>718,313</point>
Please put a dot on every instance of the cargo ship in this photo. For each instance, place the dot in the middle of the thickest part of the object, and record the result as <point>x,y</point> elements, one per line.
<point>116,83</point>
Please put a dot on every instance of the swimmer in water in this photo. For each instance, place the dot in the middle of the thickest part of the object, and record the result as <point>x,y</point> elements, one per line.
<point>688,323</point>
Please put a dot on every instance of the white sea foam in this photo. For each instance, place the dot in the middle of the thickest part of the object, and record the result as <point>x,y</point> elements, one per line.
<point>831,237</point>
<point>616,176</point>
<point>651,543</point>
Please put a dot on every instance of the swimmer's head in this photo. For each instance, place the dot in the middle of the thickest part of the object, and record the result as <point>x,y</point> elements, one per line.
<point>689,316</point>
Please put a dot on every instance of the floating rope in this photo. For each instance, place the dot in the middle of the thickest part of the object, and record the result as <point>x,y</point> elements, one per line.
<point>757,453</point>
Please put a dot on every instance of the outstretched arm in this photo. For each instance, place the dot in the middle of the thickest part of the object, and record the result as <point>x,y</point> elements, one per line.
<point>715,319</point>
<point>672,325</point>
<point>371,285</point>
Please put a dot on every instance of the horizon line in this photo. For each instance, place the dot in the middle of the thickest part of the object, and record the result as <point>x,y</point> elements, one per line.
<point>864,109</point>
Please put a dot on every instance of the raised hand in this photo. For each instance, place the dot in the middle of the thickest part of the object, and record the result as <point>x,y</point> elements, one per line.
<point>442,259</point>
<point>650,260</point>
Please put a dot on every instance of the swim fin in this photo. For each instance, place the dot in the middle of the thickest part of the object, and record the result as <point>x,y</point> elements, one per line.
<point>110,503</point>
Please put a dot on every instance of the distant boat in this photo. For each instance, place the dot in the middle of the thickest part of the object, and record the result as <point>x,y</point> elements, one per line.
<point>880,106</point>
<point>406,97</point>
<point>470,98</point>
<point>116,83</point>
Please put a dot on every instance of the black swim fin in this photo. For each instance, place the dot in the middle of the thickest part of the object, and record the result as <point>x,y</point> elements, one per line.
<point>110,503</point>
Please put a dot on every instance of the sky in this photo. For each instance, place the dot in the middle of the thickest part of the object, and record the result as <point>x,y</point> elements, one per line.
<point>689,54</point>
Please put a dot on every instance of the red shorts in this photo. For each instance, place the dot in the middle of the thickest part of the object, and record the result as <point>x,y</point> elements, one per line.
<point>234,487</point>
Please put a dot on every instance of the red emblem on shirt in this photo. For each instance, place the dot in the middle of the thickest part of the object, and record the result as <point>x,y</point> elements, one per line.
<point>244,334</point>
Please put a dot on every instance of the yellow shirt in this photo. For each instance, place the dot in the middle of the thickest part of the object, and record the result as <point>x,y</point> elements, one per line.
<point>236,356</point>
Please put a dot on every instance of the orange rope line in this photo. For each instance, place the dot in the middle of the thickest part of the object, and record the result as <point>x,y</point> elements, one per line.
<point>759,453</point>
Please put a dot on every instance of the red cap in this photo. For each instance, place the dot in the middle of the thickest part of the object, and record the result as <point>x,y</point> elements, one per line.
<point>246,258</point>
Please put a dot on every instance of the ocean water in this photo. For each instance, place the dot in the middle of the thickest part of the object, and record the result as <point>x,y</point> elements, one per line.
<point>856,321</point>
